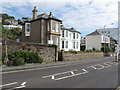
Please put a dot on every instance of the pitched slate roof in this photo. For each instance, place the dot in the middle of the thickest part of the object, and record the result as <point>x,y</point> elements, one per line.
<point>69,29</point>
<point>44,16</point>
<point>94,33</point>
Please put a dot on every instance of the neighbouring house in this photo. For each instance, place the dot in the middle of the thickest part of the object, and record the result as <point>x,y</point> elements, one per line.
<point>12,21</point>
<point>12,26</point>
<point>82,44</point>
<point>70,39</point>
<point>43,29</point>
<point>96,40</point>
<point>110,32</point>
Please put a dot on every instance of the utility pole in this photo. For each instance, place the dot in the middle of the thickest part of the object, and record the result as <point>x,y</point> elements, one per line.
<point>104,37</point>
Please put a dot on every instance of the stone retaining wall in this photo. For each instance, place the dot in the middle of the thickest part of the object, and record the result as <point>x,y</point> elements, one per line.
<point>47,52</point>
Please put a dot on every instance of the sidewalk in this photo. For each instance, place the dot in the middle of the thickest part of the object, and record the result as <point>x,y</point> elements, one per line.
<point>33,66</point>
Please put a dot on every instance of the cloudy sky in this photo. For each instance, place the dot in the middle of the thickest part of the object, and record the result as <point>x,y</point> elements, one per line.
<point>84,15</point>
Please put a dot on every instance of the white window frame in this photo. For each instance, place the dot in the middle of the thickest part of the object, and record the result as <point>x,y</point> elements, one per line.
<point>26,32</point>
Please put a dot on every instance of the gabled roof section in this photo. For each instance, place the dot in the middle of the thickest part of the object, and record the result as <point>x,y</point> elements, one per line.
<point>94,33</point>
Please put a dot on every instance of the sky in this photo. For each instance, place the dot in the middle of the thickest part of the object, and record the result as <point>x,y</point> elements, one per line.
<point>84,15</point>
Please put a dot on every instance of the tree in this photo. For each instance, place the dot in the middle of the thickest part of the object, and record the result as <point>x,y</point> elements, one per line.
<point>14,33</point>
<point>19,21</point>
<point>4,31</point>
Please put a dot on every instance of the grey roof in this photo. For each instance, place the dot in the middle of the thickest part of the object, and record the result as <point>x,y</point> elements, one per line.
<point>44,16</point>
<point>69,29</point>
<point>94,33</point>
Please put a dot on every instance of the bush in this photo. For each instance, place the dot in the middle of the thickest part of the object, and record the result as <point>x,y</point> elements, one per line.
<point>19,61</point>
<point>22,57</point>
<point>75,52</point>
<point>106,49</point>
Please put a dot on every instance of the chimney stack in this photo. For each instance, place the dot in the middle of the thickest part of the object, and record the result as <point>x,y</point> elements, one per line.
<point>50,14</point>
<point>35,12</point>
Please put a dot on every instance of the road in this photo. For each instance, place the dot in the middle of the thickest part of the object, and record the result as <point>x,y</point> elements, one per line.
<point>97,74</point>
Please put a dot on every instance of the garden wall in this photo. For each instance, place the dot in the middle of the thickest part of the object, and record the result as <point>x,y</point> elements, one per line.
<point>79,56</point>
<point>48,53</point>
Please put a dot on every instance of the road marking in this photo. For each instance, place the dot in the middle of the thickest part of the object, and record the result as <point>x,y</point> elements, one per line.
<point>53,77</point>
<point>36,69</point>
<point>108,65</point>
<point>93,66</point>
<point>23,83</point>
<point>84,70</point>
<point>18,87</point>
<point>72,73</point>
<point>101,66</point>
<point>70,76</point>
<point>8,84</point>
<point>58,74</point>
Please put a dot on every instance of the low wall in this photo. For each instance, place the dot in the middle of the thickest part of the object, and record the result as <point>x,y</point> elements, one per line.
<point>79,56</point>
<point>48,53</point>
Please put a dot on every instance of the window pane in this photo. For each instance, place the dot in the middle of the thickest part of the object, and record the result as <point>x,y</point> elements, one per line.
<point>62,44</point>
<point>57,27</point>
<point>73,35</point>
<point>53,25</point>
<point>66,33</point>
<point>48,26</point>
<point>62,33</point>
<point>73,45</point>
<point>56,40</point>
<point>66,44</point>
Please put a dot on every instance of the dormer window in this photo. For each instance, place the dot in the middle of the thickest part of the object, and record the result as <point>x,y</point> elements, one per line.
<point>27,29</point>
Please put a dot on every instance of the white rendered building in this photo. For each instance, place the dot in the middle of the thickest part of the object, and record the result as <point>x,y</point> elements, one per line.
<point>70,39</point>
<point>96,40</point>
<point>12,26</point>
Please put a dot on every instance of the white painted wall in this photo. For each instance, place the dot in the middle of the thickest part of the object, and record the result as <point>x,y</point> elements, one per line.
<point>70,41</point>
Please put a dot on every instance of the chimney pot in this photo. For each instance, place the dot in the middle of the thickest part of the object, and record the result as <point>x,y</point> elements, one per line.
<point>50,14</point>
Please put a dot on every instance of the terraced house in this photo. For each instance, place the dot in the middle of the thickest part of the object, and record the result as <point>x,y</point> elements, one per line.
<point>43,28</point>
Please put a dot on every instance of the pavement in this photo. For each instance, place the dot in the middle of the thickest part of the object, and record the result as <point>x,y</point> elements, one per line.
<point>33,66</point>
<point>99,73</point>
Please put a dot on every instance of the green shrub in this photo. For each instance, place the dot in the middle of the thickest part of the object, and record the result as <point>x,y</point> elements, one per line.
<point>74,52</point>
<point>19,61</point>
<point>105,49</point>
<point>22,57</point>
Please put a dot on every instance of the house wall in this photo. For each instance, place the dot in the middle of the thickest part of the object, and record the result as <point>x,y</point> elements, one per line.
<point>111,32</point>
<point>34,33</point>
<point>93,41</point>
<point>70,41</point>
